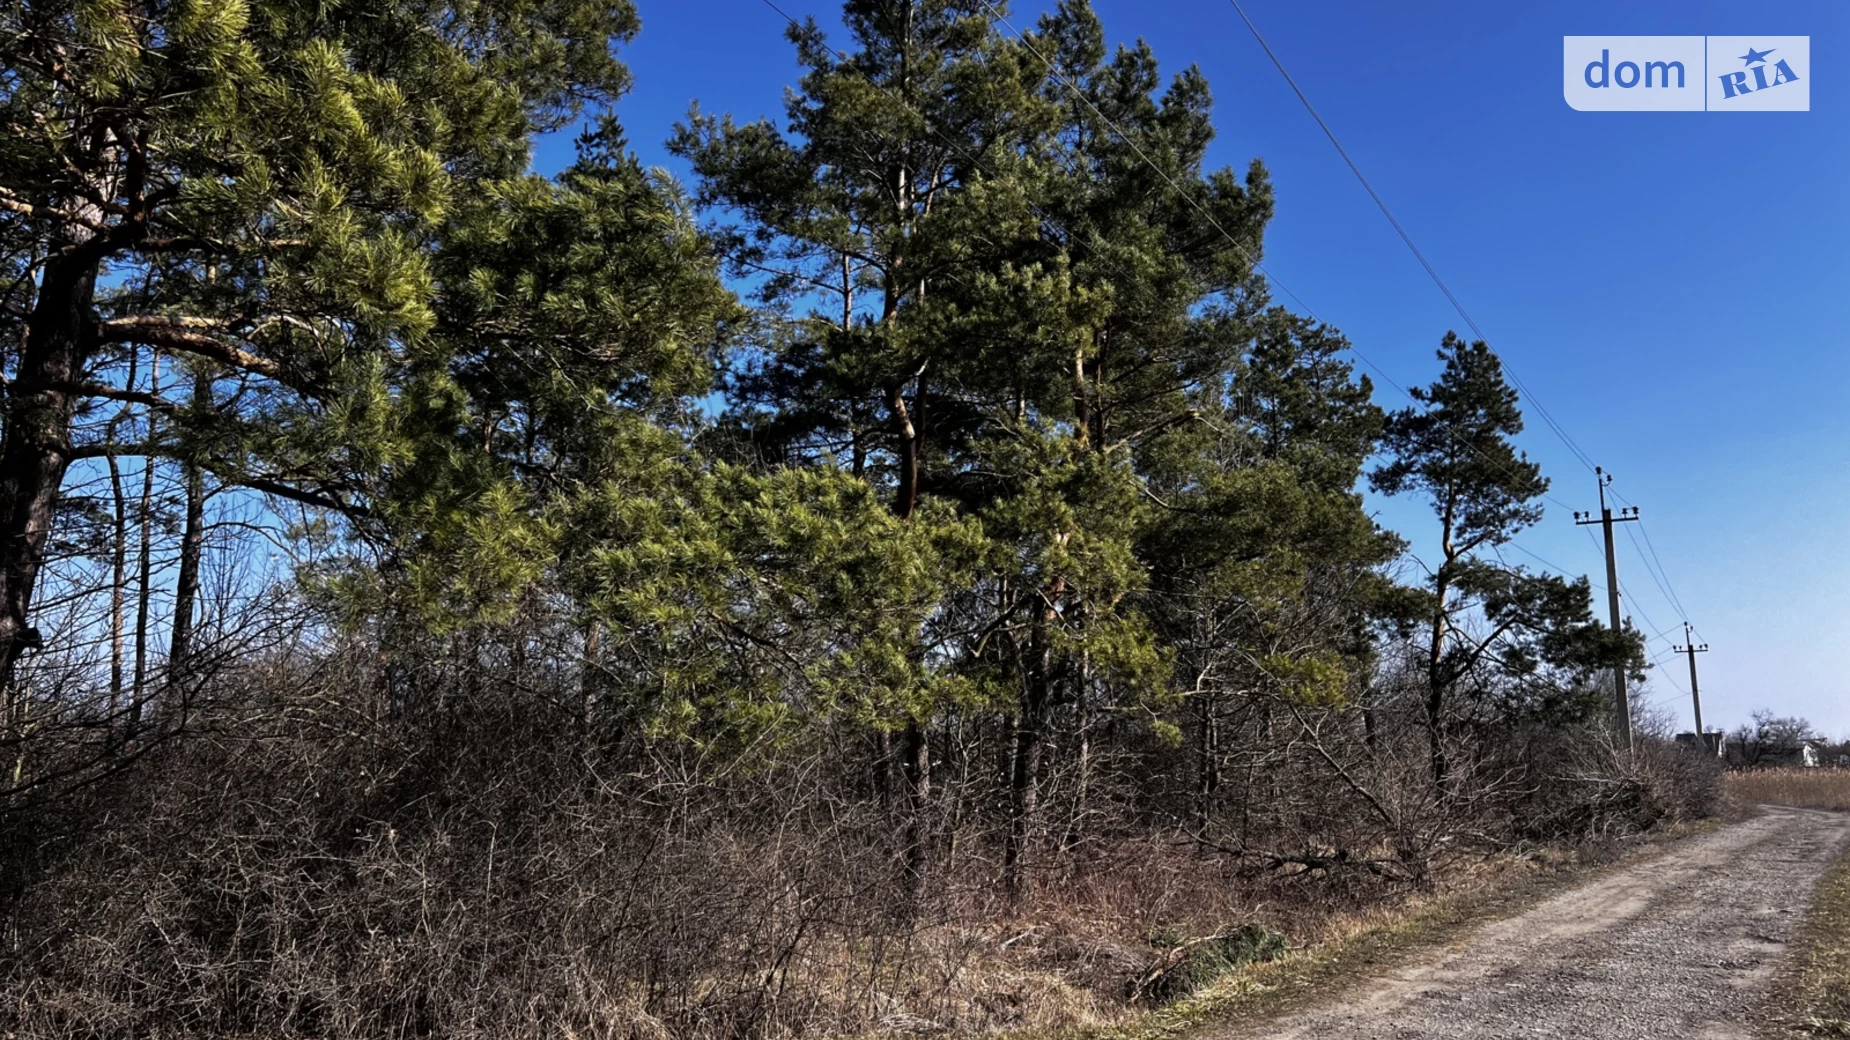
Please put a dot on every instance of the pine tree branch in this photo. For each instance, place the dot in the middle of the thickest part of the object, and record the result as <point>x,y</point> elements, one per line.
<point>319,500</point>
<point>186,243</point>
<point>111,393</point>
<point>103,449</point>
<point>12,202</point>
<point>188,335</point>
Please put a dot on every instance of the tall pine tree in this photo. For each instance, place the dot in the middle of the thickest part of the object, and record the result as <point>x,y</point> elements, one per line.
<point>1487,622</point>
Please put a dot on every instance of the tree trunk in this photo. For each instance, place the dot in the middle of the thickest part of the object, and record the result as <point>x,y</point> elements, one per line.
<point>1268,740</point>
<point>1436,679</point>
<point>911,437</point>
<point>192,547</point>
<point>60,333</point>
<point>1025,783</point>
<point>1207,780</point>
<point>588,673</point>
<point>118,563</point>
<point>118,579</point>
<point>915,766</point>
<point>1030,730</point>
<point>1082,739</point>
<point>915,745</point>
<point>145,592</point>
<point>1435,695</point>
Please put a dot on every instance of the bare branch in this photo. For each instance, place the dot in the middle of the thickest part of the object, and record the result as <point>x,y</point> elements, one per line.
<point>189,335</point>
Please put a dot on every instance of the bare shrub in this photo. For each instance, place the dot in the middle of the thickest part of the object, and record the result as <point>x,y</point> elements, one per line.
<point>1584,788</point>
<point>339,844</point>
<point>303,866</point>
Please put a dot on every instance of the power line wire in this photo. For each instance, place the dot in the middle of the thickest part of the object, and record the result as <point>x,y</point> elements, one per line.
<point>1652,625</point>
<point>1664,586</point>
<point>1661,583</point>
<point>1664,671</point>
<point>1626,596</point>
<point>1670,588</point>
<point>1251,260</point>
<point>1657,633</point>
<point>1660,575</point>
<point>1432,272</point>
<point>1557,568</point>
<point>1400,229</point>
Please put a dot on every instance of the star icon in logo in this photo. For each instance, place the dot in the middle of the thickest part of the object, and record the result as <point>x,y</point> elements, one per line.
<point>1753,56</point>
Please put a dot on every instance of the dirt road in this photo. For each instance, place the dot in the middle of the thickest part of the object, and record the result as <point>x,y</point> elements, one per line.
<point>1683,945</point>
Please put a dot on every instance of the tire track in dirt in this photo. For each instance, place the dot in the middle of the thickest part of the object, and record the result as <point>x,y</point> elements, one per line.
<point>1682,945</point>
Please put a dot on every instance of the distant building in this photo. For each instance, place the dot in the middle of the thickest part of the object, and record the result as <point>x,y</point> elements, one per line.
<point>1762,754</point>
<point>1712,740</point>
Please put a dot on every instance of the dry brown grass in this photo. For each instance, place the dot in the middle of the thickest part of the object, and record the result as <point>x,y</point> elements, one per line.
<point>1815,993</point>
<point>1800,788</point>
<point>1361,944</point>
<point>1816,989</point>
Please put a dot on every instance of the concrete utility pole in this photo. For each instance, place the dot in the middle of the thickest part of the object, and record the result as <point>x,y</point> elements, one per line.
<point>1622,704</point>
<point>1695,692</point>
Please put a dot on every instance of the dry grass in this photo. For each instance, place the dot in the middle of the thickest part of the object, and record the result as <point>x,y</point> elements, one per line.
<point>1816,987</point>
<point>1814,992</point>
<point>1800,788</point>
<point>1062,965</point>
<point>1355,946</point>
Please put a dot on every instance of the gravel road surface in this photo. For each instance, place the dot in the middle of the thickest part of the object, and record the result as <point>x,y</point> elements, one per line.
<point>1683,945</point>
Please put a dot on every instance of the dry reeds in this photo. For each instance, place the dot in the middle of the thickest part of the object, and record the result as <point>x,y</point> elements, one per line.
<point>1800,788</point>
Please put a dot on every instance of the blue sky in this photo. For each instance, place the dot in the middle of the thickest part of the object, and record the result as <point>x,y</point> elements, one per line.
<point>1671,286</point>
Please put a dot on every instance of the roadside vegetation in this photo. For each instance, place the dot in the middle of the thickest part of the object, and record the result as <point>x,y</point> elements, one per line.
<point>1814,993</point>
<point>1801,788</point>
<point>913,578</point>
<point>1373,941</point>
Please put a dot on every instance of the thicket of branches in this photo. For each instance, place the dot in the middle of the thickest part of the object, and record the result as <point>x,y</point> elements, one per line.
<point>912,580</point>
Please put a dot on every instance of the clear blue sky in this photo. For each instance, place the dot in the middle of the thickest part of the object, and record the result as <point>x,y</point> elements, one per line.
<point>1671,286</point>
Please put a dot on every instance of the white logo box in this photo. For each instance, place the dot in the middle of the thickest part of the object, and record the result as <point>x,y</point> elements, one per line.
<point>1686,73</point>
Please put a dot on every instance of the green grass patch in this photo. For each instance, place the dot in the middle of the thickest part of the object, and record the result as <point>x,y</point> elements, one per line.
<point>1194,965</point>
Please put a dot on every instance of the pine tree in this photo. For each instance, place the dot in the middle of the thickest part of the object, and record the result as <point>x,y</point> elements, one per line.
<point>1029,299</point>
<point>1455,448</point>
<point>905,167</point>
<point>1116,343</point>
<point>576,320</point>
<point>1303,402</point>
<point>273,175</point>
<point>1265,566</point>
